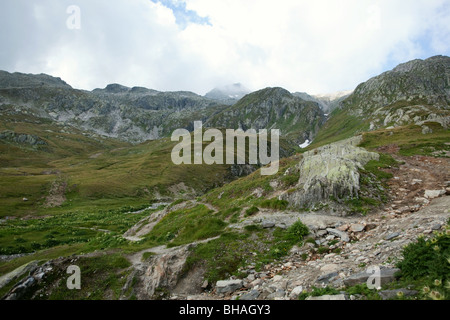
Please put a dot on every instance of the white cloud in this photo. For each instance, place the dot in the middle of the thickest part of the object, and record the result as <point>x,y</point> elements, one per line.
<point>302,45</point>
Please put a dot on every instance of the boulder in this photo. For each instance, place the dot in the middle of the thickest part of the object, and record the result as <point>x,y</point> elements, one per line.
<point>252,295</point>
<point>386,276</point>
<point>228,286</point>
<point>432,194</point>
<point>341,234</point>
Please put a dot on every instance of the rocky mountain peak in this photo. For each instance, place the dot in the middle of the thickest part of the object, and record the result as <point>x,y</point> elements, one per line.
<point>22,80</point>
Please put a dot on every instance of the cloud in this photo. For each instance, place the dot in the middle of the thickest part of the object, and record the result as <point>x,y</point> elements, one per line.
<point>302,45</point>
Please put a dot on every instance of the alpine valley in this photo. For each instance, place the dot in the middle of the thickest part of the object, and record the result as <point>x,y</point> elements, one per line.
<point>364,180</point>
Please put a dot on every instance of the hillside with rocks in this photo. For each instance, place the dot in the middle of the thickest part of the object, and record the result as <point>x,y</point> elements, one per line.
<point>87,180</point>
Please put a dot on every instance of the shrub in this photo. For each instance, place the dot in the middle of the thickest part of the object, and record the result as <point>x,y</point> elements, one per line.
<point>299,230</point>
<point>426,258</point>
<point>275,204</point>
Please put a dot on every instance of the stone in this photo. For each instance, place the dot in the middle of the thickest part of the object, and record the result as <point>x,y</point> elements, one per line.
<point>321,233</point>
<point>357,227</point>
<point>280,293</point>
<point>205,284</point>
<point>344,227</point>
<point>432,194</point>
<point>252,295</point>
<point>436,227</point>
<point>228,286</point>
<point>387,275</point>
<point>328,297</point>
<point>331,267</point>
<point>392,236</point>
<point>277,278</point>
<point>370,226</point>
<point>327,277</point>
<point>296,291</point>
<point>251,277</point>
<point>343,235</point>
<point>267,224</point>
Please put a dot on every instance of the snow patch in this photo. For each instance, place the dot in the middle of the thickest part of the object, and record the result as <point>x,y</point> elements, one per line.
<point>305,144</point>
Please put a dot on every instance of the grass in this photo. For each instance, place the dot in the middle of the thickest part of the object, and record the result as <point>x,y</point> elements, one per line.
<point>102,278</point>
<point>409,140</point>
<point>186,226</point>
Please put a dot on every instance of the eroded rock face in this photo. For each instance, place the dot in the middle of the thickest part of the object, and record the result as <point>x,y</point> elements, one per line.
<point>330,171</point>
<point>161,271</point>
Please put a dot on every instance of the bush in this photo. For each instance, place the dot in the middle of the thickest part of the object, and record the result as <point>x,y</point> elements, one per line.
<point>275,204</point>
<point>298,230</point>
<point>426,258</point>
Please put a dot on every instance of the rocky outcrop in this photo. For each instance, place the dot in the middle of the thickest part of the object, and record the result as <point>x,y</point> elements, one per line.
<point>328,172</point>
<point>22,138</point>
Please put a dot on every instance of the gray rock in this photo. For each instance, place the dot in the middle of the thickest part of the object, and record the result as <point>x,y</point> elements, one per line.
<point>252,295</point>
<point>296,291</point>
<point>357,227</point>
<point>386,276</point>
<point>432,194</point>
<point>341,234</point>
<point>227,286</point>
<point>327,277</point>
<point>436,227</point>
<point>392,236</point>
<point>280,293</point>
<point>267,224</point>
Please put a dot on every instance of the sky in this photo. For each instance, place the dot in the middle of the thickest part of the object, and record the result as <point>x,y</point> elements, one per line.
<point>319,46</point>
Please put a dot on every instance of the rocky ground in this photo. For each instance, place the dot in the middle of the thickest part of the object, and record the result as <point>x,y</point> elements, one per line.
<point>419,206</point>
<point>374,241</point>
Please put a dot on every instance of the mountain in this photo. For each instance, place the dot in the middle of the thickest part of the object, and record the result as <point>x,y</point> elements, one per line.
<point>273,108</point>
<point>129,114</point>
<point>327,102</point>
<point>415,92</point>
<point>229,94</point>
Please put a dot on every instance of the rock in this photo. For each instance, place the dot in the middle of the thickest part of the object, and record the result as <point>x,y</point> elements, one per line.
<point>280,293</point>
<point>357,227</point>
<point>327,277</point>
<point>391,294</point>
<point>426,130</point>
<point>296,291</point>
<point>344,227</point>
<point>370,226</point>
<point>331,170</point>
<point>252,295</point>
<point>267,224</point>
<point>392,236</point>
<point>331,267</point>
<point>205,284</point>
<point>386,276</point>
<point>277,278</point>
<point>251,277</point>
<point>436,227</point>
<point>404,210</point>
<point>432,194</point>
<point>321,233</point>
<point>228,286</point>
<point>328,297</point>
<point>343,235</point>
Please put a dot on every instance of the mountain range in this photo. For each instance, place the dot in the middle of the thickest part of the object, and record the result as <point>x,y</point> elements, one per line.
<point>87,179</point>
